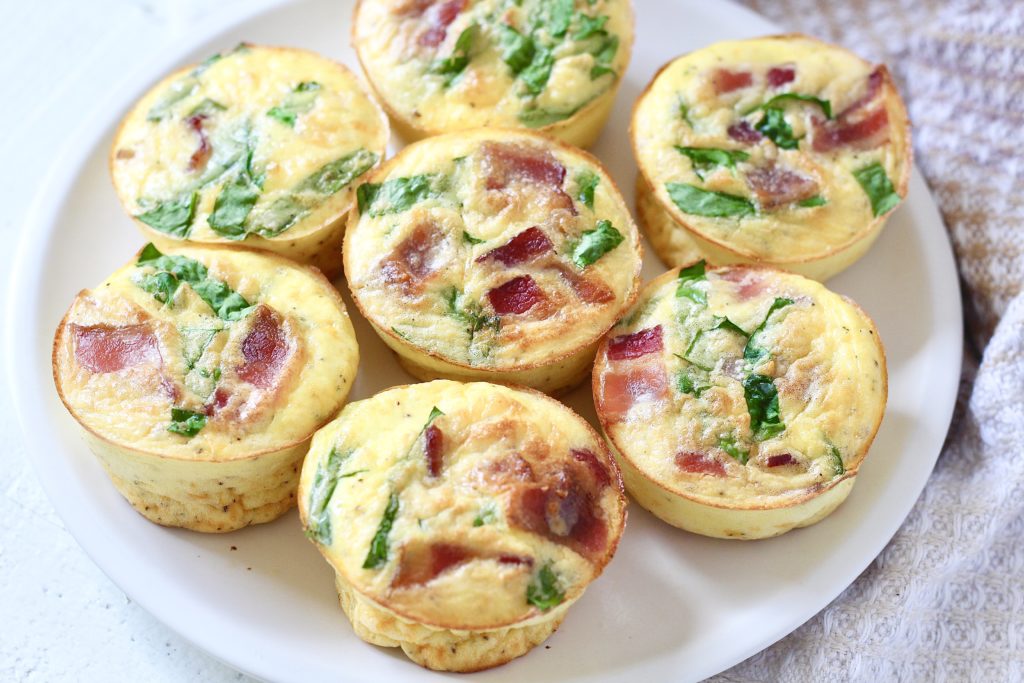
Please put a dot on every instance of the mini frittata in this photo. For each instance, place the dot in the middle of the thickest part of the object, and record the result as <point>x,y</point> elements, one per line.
<point>258,145</point>
<point>493,254</point>
<point>740,401</point>
<point>446,65</point>
<point>199,376</point>
<point>782,151</point>
<point>462,520</point>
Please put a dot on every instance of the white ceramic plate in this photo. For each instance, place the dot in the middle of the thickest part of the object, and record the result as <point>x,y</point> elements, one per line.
<point>670,606</point>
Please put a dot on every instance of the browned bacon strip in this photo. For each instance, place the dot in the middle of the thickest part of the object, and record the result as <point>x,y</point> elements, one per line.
<point>700,463</point>
<point>589,290</point>
<point>776,186</point>
<point>264,349</point>
<point>526,246</point>
<point>518,295</point>
<point>637,383</point>
<point>725,80</point>
<point>433,449</point>
<point>414,259</point>
<point>780,75</point>
<point>421,563</point>
<point>108,348</point>
<point>742,131</point>
<point>202,155</point>
<point>635,345</point>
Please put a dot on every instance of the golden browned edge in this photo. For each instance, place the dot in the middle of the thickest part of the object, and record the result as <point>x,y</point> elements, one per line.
<point>496,134</point>
<point>414,132</point>
<point>598,564</point>
<point>327,223</point>
<point>810,492</point>
<point>895,106</point>
<point>58,337</point>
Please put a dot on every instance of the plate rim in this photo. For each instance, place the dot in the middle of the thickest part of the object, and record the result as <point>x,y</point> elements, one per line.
<point>63,174</point>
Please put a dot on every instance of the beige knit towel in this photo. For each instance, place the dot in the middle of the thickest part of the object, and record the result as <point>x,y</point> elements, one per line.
<point>945,600</point>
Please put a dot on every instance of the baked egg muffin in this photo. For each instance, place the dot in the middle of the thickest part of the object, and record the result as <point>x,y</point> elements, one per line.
<point>442,66</point>
<point>783,151</point>
<point>740,401</point>
<point>493,254</point>
<point>259,145</point>
<point>199,376</point>
<point>462,520</point>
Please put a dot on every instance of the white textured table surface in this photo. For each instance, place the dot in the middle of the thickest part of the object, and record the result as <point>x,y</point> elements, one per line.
<point>63,619</point>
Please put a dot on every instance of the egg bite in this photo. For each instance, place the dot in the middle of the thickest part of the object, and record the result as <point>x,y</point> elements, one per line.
<point>462,520</point>
<point>442,66</point>
<point>495,255</point>
<point>199,376</point>
<point>740,401</point>
<point>782,151</point>
<point>260,145</point>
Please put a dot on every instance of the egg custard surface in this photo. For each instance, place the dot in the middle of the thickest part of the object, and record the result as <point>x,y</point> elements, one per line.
<point>781,150</point>
<point>492,254</point>
<point>200,375</point>
<point>449,65</point>
<point>740,401</point>
<point>258,144</point>
<point>462,520</point>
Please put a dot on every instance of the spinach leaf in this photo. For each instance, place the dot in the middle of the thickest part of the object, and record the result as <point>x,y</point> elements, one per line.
<point>589,26</point>
<point>536,75</point>
<point>206,107</point>
<point>451,66</point>
<point>299,101</point>
<point>587,182</point>
<point>773,125</point>
<point>469,312</point>
<point>706,158</point>
<point>233,205</point>
<point>689,277</point>
<point>173,216</point>
<point>837,460</point>
<point>604,54</point>
<point>559,16</point>
<point>543,591</point>
<point>732,447</point>
<point>487,515</point>
<point>689,381</point>
<point>517,50</point>
<point>335,175</point>
<point>693,200</point>
<point>318,526</point>
<point>398,194</point>
<point>188,423</point>
<point>194,342</point>
<point>878,188</point>
<point>684,112</point>
<point>706,362</point>
<point>593,244</point>
<point>753,352</point>
<point>763,405</point>
<point>378,553</point>
<point>773,103</point>
<point>171,271</point>
<point>178,91</point>
<point>816,200</point>
<point>469,239</point>
<point>538,117</point>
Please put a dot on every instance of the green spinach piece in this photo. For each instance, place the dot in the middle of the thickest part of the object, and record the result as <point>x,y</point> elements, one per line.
<point>753,352</point>
<point>487,515</point>
<point>684,112</point>
<point>604,54</point>
<point>773,125</point>
<point>398,194</point>
<point>536,75</point>
<point>877,186</point>
<point>689,277</point>
<point>816,200</point>
<point>593,244</point>
<point>543,591</point>
<point>234,204</point>
<point>378,553</point>
<point>206,107</point>
<point>704,159</point>
<point>773,103</point>
<point>763,405</point>
<point>469,239</point>
<point>730,445</point>
<point>589,26</point>
<point>185,422</point>
<point>558,16</point>
<point>318,525</point>
<point>171,271</point>
<point>469,312</point>
<point>688,381</point>
<point>517,50</point>
<point>194,342</point>
<point>837,460</point>
<point>173,216</point>
<point>693,200</point>
<point>175,93</point>
<point>586,181</point>
<point>451,66</point>
<point>299,101</point>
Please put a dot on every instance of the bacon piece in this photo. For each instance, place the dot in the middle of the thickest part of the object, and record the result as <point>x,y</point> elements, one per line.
<point>562,509</point>
<point>596,467</point>
<point>420,563</point>
<point>639,383</point>
<point>635,345</point>
<point>725,80</point>
<point>742,131</point>
<point>414,259</point>
<point>780,75</point>
<point>518,295</point>
<point>872,87</point>
<point>749,283</point>
<point>780,460</point>
<point>509,163</point>
<point>510,468</point>
<point>217,403</point>
<point>202,155</point>
<point>870,131</point>
<point>700,463</point>
<point>108,348</point>
<point>589,290</point>
<point>433,449</point>
<point>265,349</point>
<point>442,15</point>
<point>526,246</point>
<point>775,186</point>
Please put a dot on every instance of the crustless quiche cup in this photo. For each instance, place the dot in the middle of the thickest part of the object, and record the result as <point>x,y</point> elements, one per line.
<point>782,151</point>
<point>496,255</point>
<point>199,377</point>
<point>441,66</point>
<point>261,146</point>
<point>740,401</point>
<point>462,520</point>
